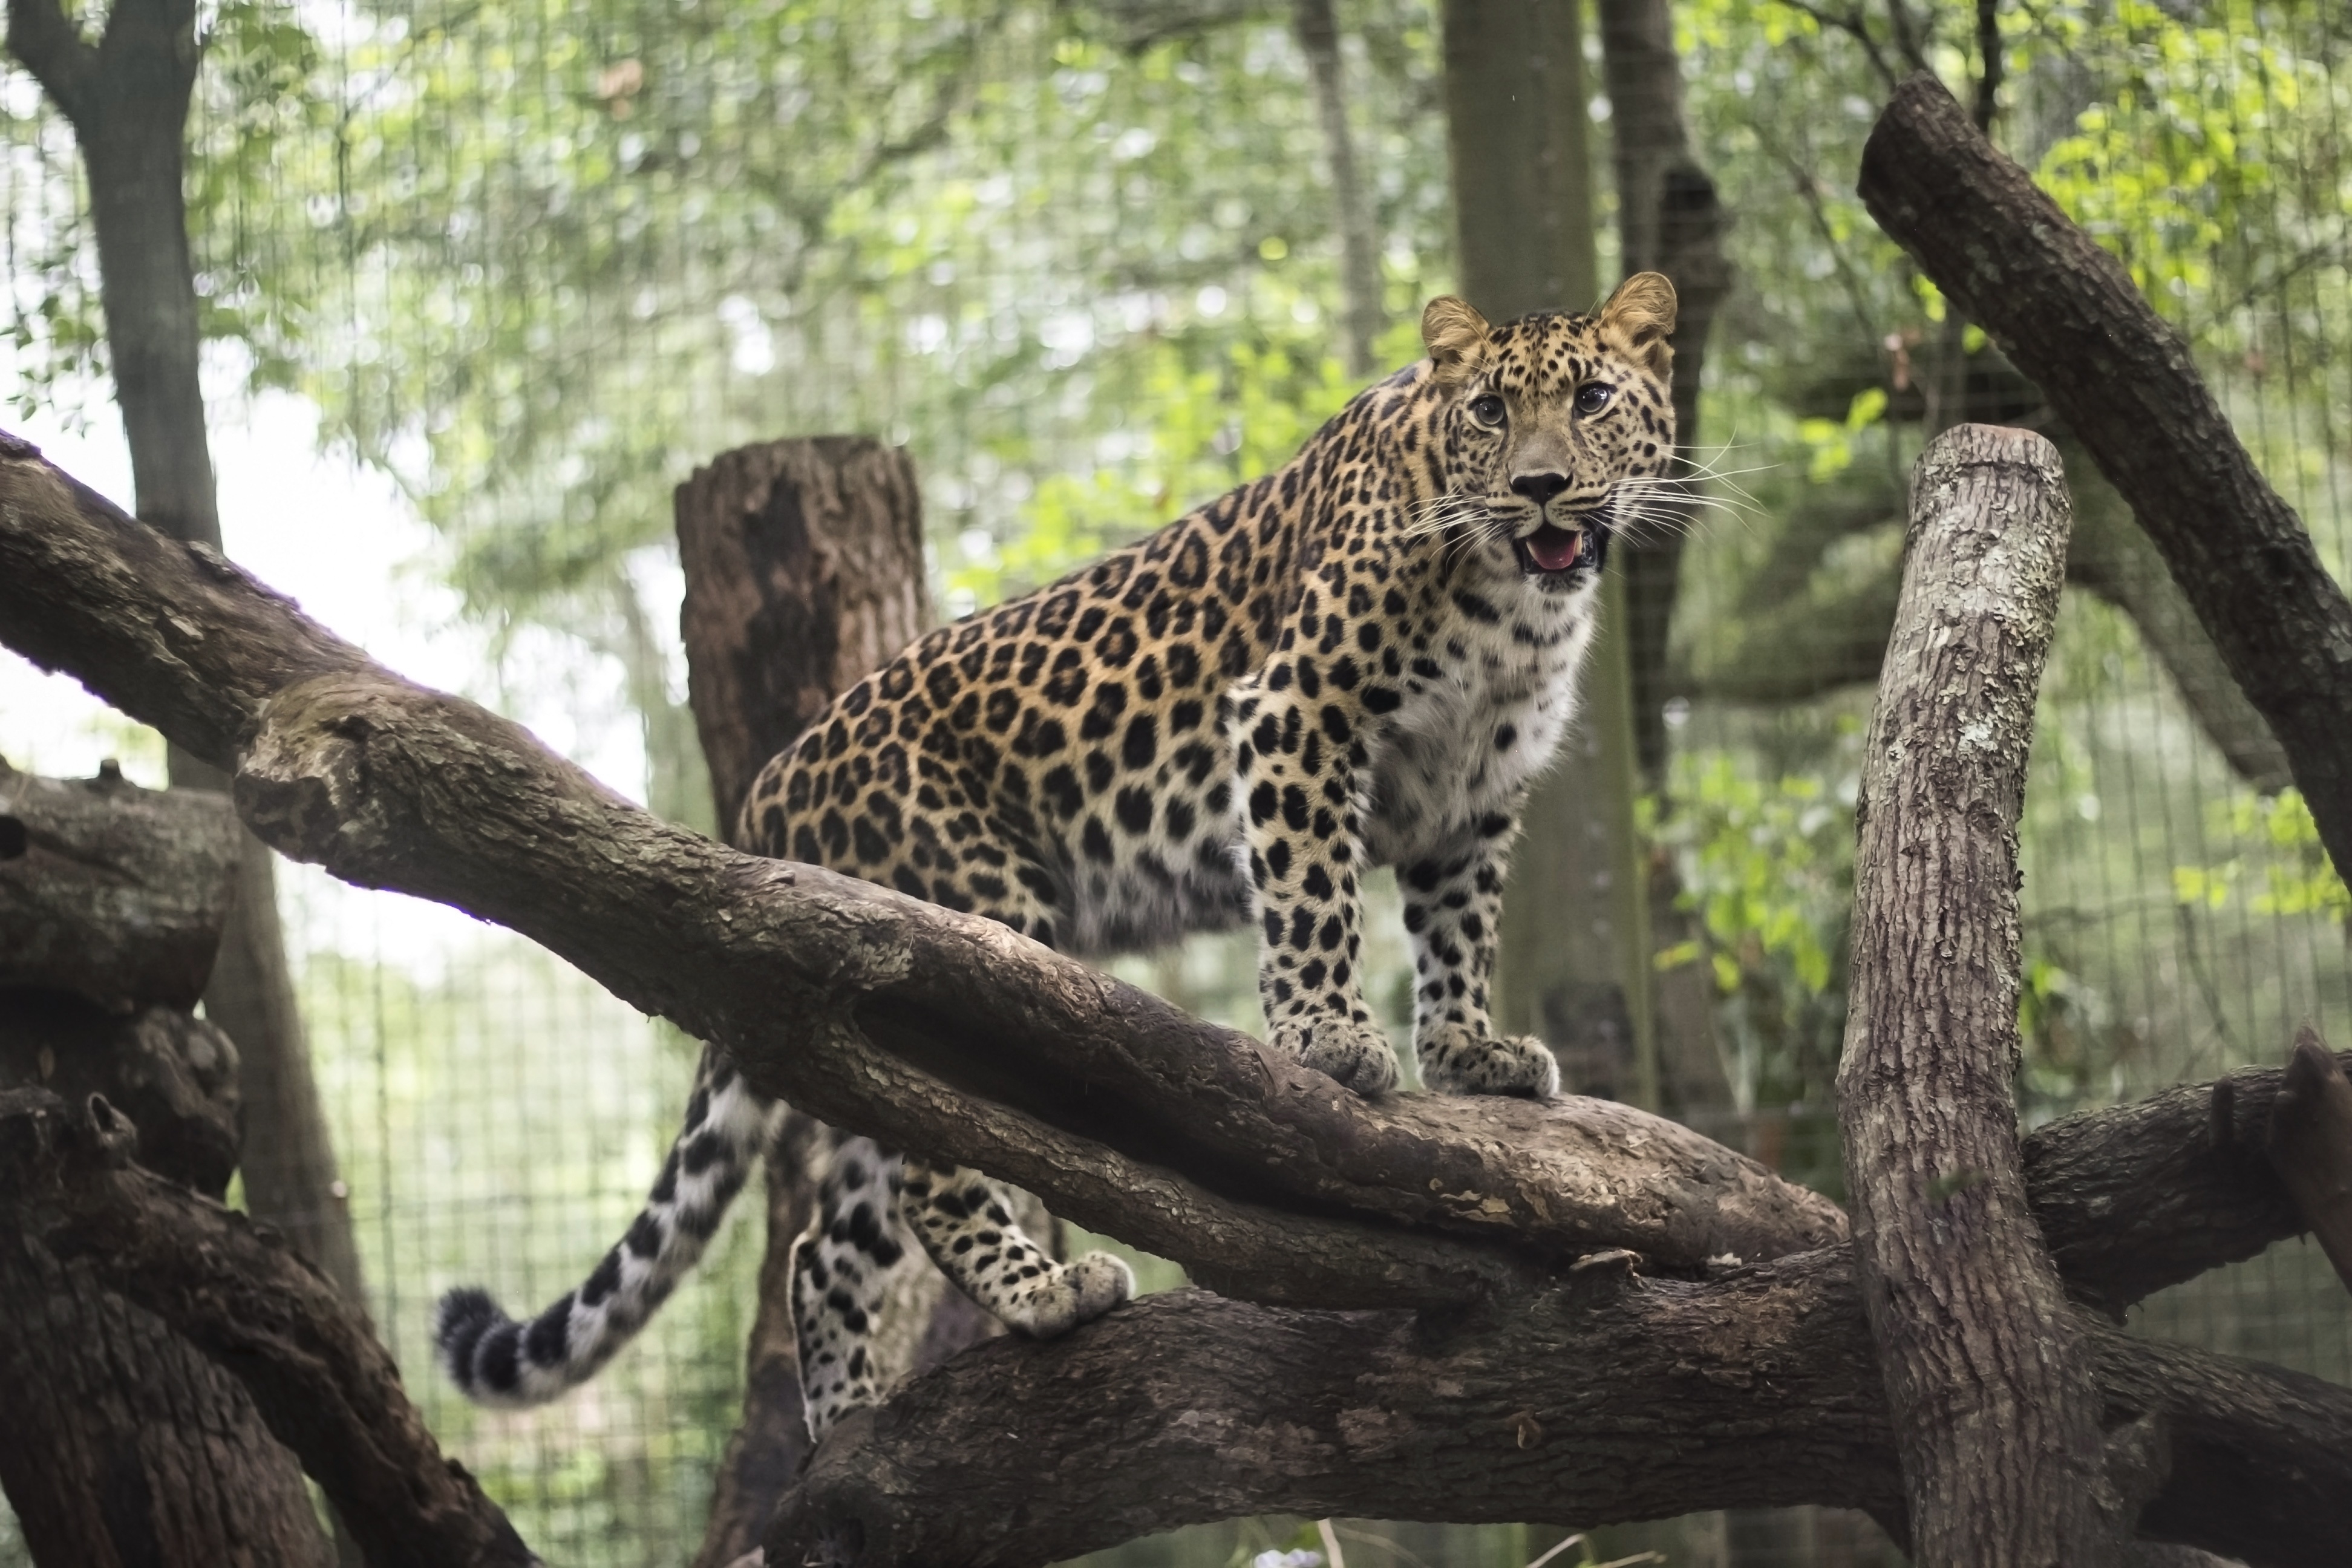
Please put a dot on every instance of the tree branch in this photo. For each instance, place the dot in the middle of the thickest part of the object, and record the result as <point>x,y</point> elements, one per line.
<point>1604,1400</point>
<point>2311,1145</point>
<point>2066,312</point>
<point>390,785</point>
<point>46,41</point>
<point>1995,1417</point>
<point>324,1386</point>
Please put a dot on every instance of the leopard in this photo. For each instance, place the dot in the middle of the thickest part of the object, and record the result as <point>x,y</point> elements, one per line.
<point>1362,660</point>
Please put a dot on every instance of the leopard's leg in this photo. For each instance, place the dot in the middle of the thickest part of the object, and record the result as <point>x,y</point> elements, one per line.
<point>857,1316</point>
<point>849,1267</point>
<point>1299,760</point>
<point>1452,909</point>
<point>965,1222</point>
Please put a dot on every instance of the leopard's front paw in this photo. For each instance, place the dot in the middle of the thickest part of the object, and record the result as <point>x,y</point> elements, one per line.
<point>1073,1293</point>
<point>1358,1054</point>
<point>1456,1059</point>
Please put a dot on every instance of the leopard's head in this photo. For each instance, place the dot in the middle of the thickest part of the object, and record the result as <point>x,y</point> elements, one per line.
<point>1556,430</point>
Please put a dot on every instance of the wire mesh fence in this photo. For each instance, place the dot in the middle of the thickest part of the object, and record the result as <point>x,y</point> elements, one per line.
<point>534,262</point>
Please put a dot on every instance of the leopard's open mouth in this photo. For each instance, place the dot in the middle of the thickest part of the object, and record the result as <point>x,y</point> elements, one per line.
<point>1554,552</point>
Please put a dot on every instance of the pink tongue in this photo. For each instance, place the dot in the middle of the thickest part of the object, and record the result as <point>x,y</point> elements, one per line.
<point>1555,549</point>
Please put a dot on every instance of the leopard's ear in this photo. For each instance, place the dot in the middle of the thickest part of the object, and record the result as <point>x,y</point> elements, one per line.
<point>1455,336</point>
<point>1639,319</point>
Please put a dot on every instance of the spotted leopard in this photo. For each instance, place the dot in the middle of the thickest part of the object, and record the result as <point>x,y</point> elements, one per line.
<point>1362,659</point>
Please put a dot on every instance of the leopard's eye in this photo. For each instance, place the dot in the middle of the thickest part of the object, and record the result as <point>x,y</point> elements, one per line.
<point>1487,410</point>
<point>1593,396</point>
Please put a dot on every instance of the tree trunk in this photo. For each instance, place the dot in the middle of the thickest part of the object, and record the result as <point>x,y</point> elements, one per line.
<point>803,571</point>
<point>1996,1414</point>
<point>1359,246</point>
<point>1669,220</point>
<point>2067,313</point>
<point>123,1444</point>
<point>235,1291</point>
<point>128,99</point>
<point>1515,131</point>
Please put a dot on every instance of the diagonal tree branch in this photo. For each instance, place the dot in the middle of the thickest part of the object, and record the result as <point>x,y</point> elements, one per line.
<point>2067,314</point>
<point>47,42</point>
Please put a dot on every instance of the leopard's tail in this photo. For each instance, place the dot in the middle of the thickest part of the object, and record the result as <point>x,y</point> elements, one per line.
<point>498,1361</point>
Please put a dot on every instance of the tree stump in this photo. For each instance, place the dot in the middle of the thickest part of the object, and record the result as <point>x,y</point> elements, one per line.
<point>803,566</point>
<point>122,1443</point>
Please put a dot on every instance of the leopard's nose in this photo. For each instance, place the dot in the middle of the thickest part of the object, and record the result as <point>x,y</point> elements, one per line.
<point>1540,488</point>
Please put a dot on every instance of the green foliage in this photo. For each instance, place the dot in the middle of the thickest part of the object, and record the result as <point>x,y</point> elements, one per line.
<point>2280,867</point>
<point>1767,864</point>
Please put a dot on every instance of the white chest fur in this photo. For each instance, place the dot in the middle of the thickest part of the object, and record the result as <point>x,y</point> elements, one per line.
<point>1469,736</point>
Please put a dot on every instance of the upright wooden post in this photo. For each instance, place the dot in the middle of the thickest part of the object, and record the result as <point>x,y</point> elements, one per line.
<point>1989,1379</point>
<point>804,564</point>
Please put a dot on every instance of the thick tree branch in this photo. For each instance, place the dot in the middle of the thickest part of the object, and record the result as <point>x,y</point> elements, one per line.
<point>325,1387</point>
<point>1606,1399</point>
<point>2311,1145</point>
<point>2148,1195</point>
<point>1996,1416</point>
<point>2066,312</point>
<point>390,786</point>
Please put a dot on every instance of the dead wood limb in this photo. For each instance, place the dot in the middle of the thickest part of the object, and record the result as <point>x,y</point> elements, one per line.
<point>2144,1195</point>
<point>2311,1145</point>
<point>1615,1399</point>
<point>1995,1413</point>
<point>390,786</point>
<point>113,892</point>
<point>240,1294</point>
<point>2067,313</point>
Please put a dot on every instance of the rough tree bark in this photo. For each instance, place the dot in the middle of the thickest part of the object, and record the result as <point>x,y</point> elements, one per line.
<point>2066,312</point>
<point>127,98</point>
<point>2311,1145</point>
<point>124,1445</point>
<point>1360,246</point>
<point>803,571</point>
<point>110,890</point>
<point>927,1027</point>
<point>1996,1413</point>
<point>238,1292</point>
<point>1586,1403</point>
